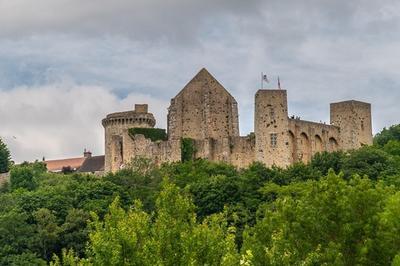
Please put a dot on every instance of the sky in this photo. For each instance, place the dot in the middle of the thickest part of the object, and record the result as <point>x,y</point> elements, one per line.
<point>66,64</point>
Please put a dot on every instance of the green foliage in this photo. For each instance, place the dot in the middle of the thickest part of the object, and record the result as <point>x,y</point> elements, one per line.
<point>26,175</point>
<point>392,147</point>
<point>74,231</point>
<point>5,157</point>
<point>190,172</point>
<point>188,149</point>
<point>16,236</point>
<point>48,231</point>
<point>325,161</point>
<point>396,261</point>
<point>170,237</point>
<point>141,179</point>
<point>340,209</point>
<point>386,135</point>
<point>331,221</point>
<point>69,258</point>
<point>154,134</point>
<point>23,260</point>
<point>370,161</point>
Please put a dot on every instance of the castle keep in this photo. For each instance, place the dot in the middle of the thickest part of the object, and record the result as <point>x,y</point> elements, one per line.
<point>206,114</point>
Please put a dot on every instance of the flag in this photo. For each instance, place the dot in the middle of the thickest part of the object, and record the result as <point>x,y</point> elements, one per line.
<point>279,83</point>
<point>265,78</point>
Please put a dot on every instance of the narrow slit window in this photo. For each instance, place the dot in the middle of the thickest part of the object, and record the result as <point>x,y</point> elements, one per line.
<point>272,113</point>
<point>274,139</point>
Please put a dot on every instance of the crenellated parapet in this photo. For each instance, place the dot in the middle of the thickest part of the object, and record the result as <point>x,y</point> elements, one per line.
<point>132,118</point>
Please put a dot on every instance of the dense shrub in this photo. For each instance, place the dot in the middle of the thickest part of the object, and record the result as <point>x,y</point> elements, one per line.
<point>340,209</point>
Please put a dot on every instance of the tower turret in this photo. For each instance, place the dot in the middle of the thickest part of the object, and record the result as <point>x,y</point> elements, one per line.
<point>115,124</point>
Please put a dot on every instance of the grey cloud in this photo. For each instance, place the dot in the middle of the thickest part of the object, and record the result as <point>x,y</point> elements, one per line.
<point>324,51</point>
<point>140,19</point>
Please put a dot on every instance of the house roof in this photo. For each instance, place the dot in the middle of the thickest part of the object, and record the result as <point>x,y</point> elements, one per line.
<point>58,165</point>
<point>93,164</point>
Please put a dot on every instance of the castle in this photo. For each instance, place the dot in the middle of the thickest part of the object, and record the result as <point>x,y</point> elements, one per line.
<point>205,113</point>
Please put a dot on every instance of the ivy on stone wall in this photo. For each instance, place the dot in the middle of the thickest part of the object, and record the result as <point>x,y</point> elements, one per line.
<point>188,149</point>
<point>150,133</point>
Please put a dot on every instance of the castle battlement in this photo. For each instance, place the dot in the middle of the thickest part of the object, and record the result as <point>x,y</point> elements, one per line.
<point>205,112</point>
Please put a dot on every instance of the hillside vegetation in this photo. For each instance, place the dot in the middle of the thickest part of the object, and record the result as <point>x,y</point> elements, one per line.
<point>340,209</point>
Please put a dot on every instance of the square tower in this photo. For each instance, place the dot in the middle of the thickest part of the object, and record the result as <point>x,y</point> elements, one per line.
<point>355,123</point>
<point>271,126</point>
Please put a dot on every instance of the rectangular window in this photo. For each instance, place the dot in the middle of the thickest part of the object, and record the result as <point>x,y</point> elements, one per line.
<point>274,139</point>
<point>272,113</point>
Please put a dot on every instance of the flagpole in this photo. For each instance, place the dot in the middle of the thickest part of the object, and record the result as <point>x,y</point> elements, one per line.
<point>279,83</point>
<point>262,79</point>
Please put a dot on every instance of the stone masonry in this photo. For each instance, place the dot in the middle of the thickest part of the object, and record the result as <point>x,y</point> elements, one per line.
<point>206,112</point>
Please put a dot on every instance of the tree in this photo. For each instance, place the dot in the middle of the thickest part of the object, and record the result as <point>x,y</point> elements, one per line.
<point>17,237</point>
<point>392,147</point>
<point>5,158</point>
<point>327,160</point>
<point>387,134</point>
<point>48,232</point>
<point>74,231</point>
<point>389,229</point>
<point>370,161</point>
<point>171,237</point>
<point>331,222</point>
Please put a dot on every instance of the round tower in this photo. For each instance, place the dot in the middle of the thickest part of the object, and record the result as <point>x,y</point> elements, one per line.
<point>117,123</point>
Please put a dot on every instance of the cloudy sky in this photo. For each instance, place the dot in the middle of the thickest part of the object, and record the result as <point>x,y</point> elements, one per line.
<point>65,64</point>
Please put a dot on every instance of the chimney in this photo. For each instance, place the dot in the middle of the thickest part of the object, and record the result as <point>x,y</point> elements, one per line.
<point>87,154</point>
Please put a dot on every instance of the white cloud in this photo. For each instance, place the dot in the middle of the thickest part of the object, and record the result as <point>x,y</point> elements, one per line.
<point>60,120</point>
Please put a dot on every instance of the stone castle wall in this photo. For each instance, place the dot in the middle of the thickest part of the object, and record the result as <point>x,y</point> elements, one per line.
<point>4,178</point>
<point>238,151</point>
<point>159,151</point>
<point>205,112</point>
<point>308,138</point>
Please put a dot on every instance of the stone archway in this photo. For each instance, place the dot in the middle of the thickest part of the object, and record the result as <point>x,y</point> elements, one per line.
<point>333,145</point>
<point>305,148</point>
<point>292,147</point>
<point>318,144</point>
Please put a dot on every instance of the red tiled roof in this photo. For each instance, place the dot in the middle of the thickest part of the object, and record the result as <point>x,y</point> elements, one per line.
<point>57,165</point>
<point>93,164</point>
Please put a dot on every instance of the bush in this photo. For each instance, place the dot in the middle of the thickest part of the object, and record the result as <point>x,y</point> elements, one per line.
<point>188,149</point>
<point>154,134</point>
